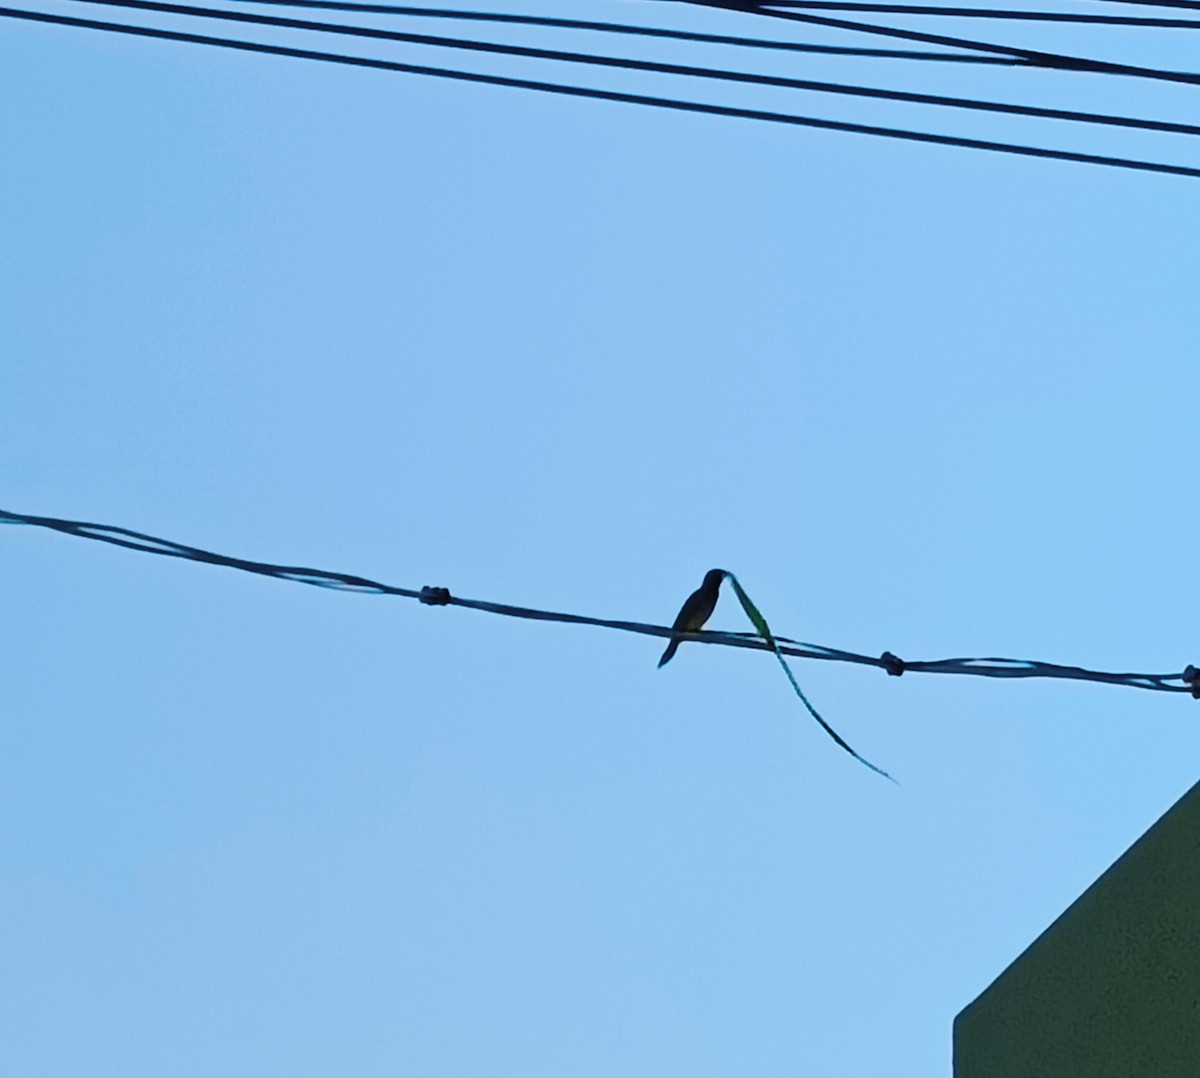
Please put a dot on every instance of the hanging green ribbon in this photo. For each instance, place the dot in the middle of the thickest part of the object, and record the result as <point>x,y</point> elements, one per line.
<point>764,630</point>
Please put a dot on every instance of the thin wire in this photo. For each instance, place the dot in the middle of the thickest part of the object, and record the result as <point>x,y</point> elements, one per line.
<point>639,31</point>
<point>324,578</point>
<point>1058,61</point>
<point>673,104</point>
<point>686,71</point>
<point>1193,5</point>
<point>987,13</point>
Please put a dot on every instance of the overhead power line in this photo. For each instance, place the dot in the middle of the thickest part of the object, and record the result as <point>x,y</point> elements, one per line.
<point>632,30</point>
<point>1187,681</point>
<point>673,104</point>
<point>1008,55</point>
<point>651,66</point>
<point>1193,5</point>
<point>987,13</point>
<point>984,52</point>
<point>1039,58</point>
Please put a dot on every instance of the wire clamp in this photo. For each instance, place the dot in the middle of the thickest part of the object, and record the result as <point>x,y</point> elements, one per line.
<point>1191,678</point>
<point>893,664</point>
<point>434,596</point>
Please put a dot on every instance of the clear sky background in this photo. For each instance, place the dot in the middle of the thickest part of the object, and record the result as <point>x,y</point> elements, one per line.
<point>569,354</point>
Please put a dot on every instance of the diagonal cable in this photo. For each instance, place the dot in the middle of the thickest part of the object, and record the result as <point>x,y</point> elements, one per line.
<point>591,93</point>
<point>986,13</point>
<point>1034,57</point>
<point>1187,681</point>
<point>650,66</point>
<point>631,30</point>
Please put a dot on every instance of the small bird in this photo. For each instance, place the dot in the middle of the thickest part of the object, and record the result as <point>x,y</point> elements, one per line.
<point>695,612</point>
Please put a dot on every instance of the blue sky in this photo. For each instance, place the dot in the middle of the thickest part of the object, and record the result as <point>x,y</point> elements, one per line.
<point>568,354</point>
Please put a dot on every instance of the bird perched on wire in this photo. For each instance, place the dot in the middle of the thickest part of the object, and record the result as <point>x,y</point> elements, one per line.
<point>695,612</point>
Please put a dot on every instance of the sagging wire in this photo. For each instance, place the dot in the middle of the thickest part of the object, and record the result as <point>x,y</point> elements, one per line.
<point>1187,681</point>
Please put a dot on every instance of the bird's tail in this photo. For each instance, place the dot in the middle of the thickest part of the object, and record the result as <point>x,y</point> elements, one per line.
<point>671,649</point>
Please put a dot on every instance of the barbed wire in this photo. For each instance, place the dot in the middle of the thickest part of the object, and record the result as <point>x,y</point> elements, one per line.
<point>1187,681</point>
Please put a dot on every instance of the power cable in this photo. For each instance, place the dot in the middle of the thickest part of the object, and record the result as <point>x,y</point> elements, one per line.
<point>986,13</point>
<point>1188,681</point>
<point>1057,61</point>
<point>610,95</point>
<point>655,67</point>
<point>639,31</point>
<point>1193,5</point>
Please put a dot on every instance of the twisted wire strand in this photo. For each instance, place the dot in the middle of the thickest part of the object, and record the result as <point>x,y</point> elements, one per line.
<point>1186,681</point>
